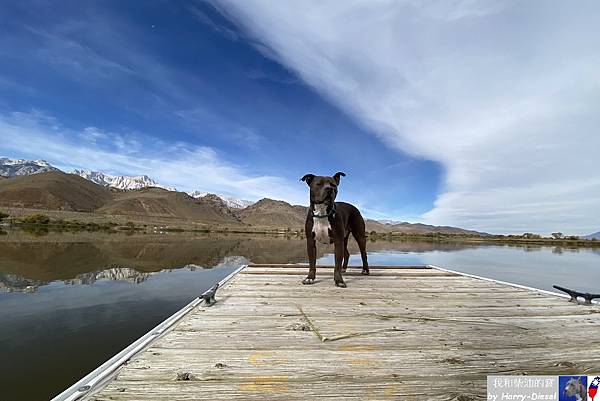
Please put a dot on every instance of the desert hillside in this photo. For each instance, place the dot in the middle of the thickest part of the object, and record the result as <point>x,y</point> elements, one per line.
<point>269,212</point>
<point>60,192</point>
<point>53,190</point>
<point>163,203</point>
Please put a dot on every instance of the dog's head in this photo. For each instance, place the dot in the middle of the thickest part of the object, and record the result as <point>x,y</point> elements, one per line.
<point>323,189</point>
<point>574,386</point>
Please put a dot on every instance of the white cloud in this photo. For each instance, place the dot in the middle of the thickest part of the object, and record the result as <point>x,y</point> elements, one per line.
<point>183,165</point>
<point>505,95</point>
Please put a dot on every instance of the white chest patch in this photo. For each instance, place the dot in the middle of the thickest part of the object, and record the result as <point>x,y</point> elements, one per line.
<point>321,226</point>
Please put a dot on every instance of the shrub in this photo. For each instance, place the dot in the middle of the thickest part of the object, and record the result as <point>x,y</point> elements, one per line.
<point>36,219</point>
<point>3,216</point>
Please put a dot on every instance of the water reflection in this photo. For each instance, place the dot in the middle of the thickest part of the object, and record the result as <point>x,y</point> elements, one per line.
<point>84,258</point>
<point>17,283</point>
<point>27,264</point>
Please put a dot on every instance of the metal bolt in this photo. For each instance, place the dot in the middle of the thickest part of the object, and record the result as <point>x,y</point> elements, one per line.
<point>83,389</point>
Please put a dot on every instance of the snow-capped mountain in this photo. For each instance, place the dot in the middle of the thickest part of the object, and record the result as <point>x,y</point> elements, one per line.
<point>120,181</point>
<point>14,167</point>
<point>230,201</point>
<point>392,222</point>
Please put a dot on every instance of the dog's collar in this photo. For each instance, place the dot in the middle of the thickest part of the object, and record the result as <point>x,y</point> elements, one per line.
<point>331,213</point>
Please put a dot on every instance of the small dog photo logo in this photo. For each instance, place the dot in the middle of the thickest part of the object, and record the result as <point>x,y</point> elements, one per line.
<point>572,388</point>
<point>594,382</point>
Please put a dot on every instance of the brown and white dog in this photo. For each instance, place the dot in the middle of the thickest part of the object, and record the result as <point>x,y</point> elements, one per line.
<point>329,222</point>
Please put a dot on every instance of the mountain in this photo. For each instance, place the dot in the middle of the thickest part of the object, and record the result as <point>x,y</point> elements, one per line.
<point>392,222</point>
<point>269,212</point>
<point>230,201</point>
<point>38,185</point>
<point>53,190</point>
<point>19,167</point>
<point>274,213</point>
<point>120,181</point>
<point>417,228</point>
<point>159,202</point>
<point>592,236</point>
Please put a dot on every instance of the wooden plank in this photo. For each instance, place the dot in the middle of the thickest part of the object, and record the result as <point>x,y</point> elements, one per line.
<point>305,266</point>
<point>350,272</point>
<point>400,333</point>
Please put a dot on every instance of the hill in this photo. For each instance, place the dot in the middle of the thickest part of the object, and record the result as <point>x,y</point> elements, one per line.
<point>53,190</point>
<point>415,228</point>
<point>164,203</point>
<point>268,212</point>
<point>595,235</point>
<point>419,228</point>
<point>56,190</point>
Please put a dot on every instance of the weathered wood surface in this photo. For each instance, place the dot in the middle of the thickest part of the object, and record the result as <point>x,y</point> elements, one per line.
<point>411,333</point>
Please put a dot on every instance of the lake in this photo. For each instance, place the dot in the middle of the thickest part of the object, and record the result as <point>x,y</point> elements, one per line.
<point>70,301</point>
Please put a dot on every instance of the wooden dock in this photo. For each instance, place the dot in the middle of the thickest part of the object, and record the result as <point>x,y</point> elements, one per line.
<point>415,333</point>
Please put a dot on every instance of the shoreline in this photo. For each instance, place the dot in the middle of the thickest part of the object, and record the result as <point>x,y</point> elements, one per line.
<point>41,222</point>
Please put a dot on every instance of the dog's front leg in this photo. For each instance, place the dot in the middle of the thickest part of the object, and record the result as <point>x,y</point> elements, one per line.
<point>339,258</point>
<point>311,248</point>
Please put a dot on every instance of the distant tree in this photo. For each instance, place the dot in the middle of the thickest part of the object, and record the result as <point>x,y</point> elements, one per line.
<point>531,236</point>
<point>557,235</point>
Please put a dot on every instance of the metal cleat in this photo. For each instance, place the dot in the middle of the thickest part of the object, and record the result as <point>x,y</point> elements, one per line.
<point>575,294</point>
<point>209,295</point>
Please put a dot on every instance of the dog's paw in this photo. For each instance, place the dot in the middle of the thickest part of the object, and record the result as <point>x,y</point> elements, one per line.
<point>340,284</point>
<point>365,272</point>
<point>308,280</point>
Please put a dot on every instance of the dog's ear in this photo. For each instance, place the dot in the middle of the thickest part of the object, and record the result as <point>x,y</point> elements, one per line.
<point>308,178</point>
<point>337,176</point>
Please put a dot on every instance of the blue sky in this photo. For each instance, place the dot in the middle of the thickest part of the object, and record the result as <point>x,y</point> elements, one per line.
<point>447,114</point>
<point>179,74</point>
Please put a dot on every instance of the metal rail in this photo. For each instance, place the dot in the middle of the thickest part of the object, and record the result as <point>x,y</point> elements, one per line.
<point>91,382</point>
<point>524,287</point>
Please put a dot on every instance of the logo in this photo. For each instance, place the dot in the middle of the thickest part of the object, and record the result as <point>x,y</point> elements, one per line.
<point>573,388</point>
<point>593,388</point>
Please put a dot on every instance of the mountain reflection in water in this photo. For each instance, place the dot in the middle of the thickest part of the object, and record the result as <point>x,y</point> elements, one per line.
<point>27,264</point>
<point>16,283</point>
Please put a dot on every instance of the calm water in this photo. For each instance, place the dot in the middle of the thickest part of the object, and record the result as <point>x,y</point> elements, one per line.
<point>70,301</point>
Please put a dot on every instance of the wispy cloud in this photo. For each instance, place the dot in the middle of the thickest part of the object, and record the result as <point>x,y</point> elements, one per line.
<point>183,165</point>
<point>225,127</point>
<point>503,94</point>
<point>206,20</point>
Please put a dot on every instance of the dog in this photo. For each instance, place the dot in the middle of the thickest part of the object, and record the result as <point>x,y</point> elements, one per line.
<point>575,388</point>
<point>329,222</point>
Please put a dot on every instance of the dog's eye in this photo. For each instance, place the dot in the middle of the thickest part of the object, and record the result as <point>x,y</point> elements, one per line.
<point>319,183</point>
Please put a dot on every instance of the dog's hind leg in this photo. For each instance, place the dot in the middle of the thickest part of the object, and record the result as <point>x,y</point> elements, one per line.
<point>346,254</point>
<point>361,239</point>
<point>311,248</point>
